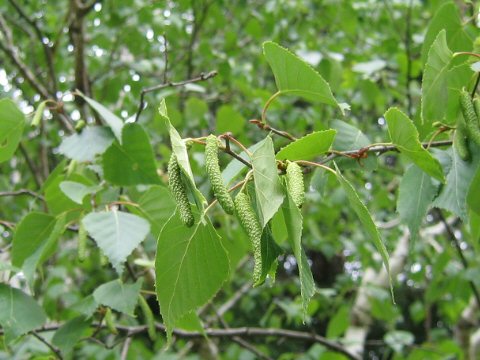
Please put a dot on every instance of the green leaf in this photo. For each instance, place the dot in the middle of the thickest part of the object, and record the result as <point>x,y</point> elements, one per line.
<point>45,250</point>
<point>19,313</point>
<point>270,252</point>
<point>294,76</point>
<point>294,225</point>
<point>415,195</point>
<point>229,120</point>
<point>268,189</point>
<point>132,163</point>
<point>77,191</point>
<point>235,167</point>
<point>338,323</point>
<point>350,138</point>
<point>434,81</point>
<point>448,18</point>
<point>12,122</point>
<point>92,141</point>
<point>119,296</point>
<point>191,265</point>
<point>453,196</point>
<point>473,195</point>
<point>404,135</point>
<point>190,322</point>
<point>112,120</point>
<point>365,218</point>
<point>156,205</point>
<point>87,306</point>
<point>116,233</point>
<point>308,147</point>
<point>179,148</point>
<point>70,333</point>
<point>31,232</point>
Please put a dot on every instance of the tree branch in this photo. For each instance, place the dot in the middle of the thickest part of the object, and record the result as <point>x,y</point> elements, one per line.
<point>55,350</point>
<point>130,331</point>
<point>22,192</point>
<point>46,48</point>
<point>201,77</point>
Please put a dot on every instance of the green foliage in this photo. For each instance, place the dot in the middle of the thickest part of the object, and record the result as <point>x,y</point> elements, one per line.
<point>372,131</point>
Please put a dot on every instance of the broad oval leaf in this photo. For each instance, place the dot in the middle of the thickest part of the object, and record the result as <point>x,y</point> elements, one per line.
<point>116,233</point>
<point>31,232</point>
<point>133,161</point>
<point>415,195</point>
<point>191,265</point>
<point>453,196</point>
<point>119,296</point>
<point>309,146</point>
<point>19,312</point>
<point>294,76</point>
<point>268,189</point>
<point>434,81</point>
<point>92,141</point>
<point>12,122</point>
<point>404,135</point>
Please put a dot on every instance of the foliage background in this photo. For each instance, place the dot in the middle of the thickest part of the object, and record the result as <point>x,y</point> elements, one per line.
<point>372,53</point>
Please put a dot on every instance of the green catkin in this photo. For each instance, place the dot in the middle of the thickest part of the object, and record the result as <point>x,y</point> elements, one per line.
<point>150,320</point>
<point>109,321</point>
<point>215,176</point>
<point>460,141</point>
<point>179,191</point>
<point>295,184</point>
<point>252,227</point>
<point>471,119</point>
<point>82,243</point>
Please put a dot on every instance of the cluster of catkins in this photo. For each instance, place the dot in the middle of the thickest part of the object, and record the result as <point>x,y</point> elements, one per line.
<point>468,127</point>
<point>241,206</point>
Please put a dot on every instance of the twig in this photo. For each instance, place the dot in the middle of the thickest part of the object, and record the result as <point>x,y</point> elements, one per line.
<point>463,260</point>
<point>55,350</point>
<point>229,151</point>
<point>234,299</point>
<point>11,50</point>
<point>380,149</point>
<point>264,126</point>
<point>126,347</point>
<point>201,77</point>
<point>46,49</point>
<point>22,192</point>
<point>31,166</point>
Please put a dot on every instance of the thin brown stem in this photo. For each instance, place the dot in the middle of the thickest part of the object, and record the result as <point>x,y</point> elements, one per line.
<point>201,77</point>
<point>54,349</point>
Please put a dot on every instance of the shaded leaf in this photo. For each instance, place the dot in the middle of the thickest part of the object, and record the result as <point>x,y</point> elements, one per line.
<point>116,233</point>
<point>453,195</point>
<point>270,252</point>
<point>70,333</point>
<point>12,122</point>
<point>133,162</point>
<point>31,232</point>
<point>19,313</point>
<point>119,296</point>
<point>415,195</point>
